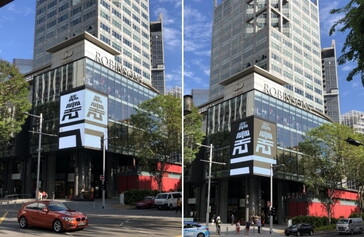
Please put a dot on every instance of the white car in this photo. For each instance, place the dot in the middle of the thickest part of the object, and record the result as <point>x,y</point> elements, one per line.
<point>195,230</point>
<point>167,200</point>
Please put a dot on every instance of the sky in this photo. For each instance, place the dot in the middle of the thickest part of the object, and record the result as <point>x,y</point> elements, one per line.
<point>17,33</point>
<point>198,16</point>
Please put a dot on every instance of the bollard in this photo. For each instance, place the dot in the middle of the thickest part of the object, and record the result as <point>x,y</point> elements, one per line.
<point>227,229</point>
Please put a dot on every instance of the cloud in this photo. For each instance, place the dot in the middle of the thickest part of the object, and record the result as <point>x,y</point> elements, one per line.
<point>23,11</point>
<point>172,37</point>
<point>347,68</point>
<point>327,20</point>
<point>174,77</point>
<point>167,19</point>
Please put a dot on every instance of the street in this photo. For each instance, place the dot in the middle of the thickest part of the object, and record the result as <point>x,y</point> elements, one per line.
<point>278,230</point>
<point>114,220</point>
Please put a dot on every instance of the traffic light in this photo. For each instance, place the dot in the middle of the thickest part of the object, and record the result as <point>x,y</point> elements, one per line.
<point>273,211</point>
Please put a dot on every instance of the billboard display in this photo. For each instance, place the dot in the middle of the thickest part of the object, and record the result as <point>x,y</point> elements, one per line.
<point>253,147</point>
<point>83,119</point>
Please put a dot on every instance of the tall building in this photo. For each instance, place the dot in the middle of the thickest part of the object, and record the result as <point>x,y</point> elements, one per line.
<point>176,91</point>
<point>92,62</point>
<point>282,37</point>
<point>354,119</point>
<point>200,96</point>
<point>266,92</point>
<point>330,82</point>
<point>157,47</point>
<point>24,65</point>
<point>123,25</point>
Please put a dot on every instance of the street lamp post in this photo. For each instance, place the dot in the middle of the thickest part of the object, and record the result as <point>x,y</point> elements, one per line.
<point>209,179</point>
<point>271,197</point>
<point>103,138</point>
<point>39,150</point>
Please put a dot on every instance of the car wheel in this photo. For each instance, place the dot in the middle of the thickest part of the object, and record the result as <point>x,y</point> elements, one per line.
<point>200,235</point>
<point>159,207</point>
<point>298,233</point>
<point>287,234</point>
<point>361,231</point>
<point>311,233</point>
<point>351,231</point>
<point>23,223</point>
<point>170,206</point>
<point>57,226</point>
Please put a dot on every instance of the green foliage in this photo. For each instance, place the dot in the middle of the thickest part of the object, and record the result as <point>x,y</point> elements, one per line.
<point>315,221</point>
<point>192,134</point>
<point>353,22</point>
<point>157,134</point>
<point>135,195</point>
<point>13,101</point>
<point>326,227</point>
<point>325,161</point>
<point>357,215</point>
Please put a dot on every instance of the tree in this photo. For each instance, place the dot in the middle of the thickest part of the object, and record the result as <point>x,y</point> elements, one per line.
<point>353,49</point>
<point>325,162</point>
<point>157,134</point>
<point>13,102</point>
<point>192,134</point>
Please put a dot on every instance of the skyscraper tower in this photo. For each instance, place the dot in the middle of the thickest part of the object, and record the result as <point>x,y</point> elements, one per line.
<point>280,36</point>
<point>330,81</point>
<point>157,48</point>
<point>124,25</point>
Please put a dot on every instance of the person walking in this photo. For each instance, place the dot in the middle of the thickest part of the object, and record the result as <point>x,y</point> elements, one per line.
<point>232,219</point>
<point>238,227</point>
<point>259,224</point>
<point>247,227</point>
<point>179,205</point>
<point>218,224</point>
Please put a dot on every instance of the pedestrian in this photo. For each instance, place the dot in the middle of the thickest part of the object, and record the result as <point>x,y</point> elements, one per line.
<point>232,219</point>
<point>247,227</point>
<point>40,194</point>
<point>218,224</point>
<point>179,205</point>
<point>238,227</point>
<point>44,195</point>
<point>259,224</point>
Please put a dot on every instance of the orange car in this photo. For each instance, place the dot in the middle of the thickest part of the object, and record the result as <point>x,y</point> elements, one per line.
<point>50,214</point>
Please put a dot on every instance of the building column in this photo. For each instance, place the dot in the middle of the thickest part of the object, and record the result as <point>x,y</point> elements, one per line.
<point>223,199</point>
<point>27,179</point>
<point>203,202</point>
<point>109,177</point>
<point>253,190</point>
<point>281,205</point>
<point>51,175</point>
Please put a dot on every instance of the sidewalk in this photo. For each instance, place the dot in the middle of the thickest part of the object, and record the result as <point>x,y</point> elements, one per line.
<point>229,230</point>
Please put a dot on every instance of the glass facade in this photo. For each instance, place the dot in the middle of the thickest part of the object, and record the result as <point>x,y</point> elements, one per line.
<point>124,95</point>
<point>292,123</point>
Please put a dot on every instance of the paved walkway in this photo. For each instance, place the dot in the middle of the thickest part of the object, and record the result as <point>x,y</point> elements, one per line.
<point>230,230</point>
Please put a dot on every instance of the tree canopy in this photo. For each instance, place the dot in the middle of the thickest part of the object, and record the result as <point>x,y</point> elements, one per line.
<point>353,49</point>
<point>192,134</point>
<point>326,161</point>
<point>13,101</point>
<point>157,134</point>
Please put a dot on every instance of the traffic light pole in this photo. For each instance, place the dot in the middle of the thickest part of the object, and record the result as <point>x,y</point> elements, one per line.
<point>271,200</point>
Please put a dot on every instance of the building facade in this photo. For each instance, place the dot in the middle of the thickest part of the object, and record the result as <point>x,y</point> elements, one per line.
<point>175,91</point>
<point>331,83</point>
<point>157,47</point>
<point>123,25</point>
<point>24,65</point>
<point>282,37</point>
<point>200,96</point>
<point>354,119</point>
<point>266,92</point>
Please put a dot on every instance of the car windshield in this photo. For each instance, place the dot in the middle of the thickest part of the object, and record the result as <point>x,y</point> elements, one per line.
<point>57,206</point>
<point>342,221</point>
<point>161,196</point>
<point>294,226</point>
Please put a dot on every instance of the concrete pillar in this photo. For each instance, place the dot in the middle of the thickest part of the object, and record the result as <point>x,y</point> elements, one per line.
<point>223,199</point>
<point>75,187</point>
<point>281,207</point>
<point>82,172</point>
<point>28,181</point>
<point>203,202</point>
<point>51,175</point>
<point>253,189</point>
